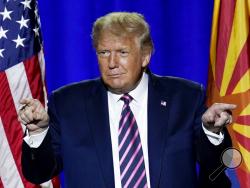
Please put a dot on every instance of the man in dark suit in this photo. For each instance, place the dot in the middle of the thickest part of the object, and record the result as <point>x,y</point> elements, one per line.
<point>129,128</point>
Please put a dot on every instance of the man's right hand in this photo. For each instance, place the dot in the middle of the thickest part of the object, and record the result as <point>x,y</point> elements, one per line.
<point>33,115</point>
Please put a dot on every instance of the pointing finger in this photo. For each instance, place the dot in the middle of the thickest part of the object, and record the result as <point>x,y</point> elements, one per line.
<point>224,106</point>
<point>34,103</point>
<point>25,101</point>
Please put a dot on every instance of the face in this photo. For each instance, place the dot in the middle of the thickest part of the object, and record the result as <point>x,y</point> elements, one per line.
<point>121,62</point>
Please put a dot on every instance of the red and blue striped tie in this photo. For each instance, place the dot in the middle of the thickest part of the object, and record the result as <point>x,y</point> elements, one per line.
<point>132,167</point>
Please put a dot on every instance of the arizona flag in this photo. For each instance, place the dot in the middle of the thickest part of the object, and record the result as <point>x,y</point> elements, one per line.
<point>21,76</point>
<point>229,76</point>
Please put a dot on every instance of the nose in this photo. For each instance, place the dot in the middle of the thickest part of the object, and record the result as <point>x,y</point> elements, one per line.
<point>113,60</point>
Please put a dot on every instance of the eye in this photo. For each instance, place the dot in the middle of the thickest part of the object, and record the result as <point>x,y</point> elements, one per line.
<point>103,53</point>
<point>124,53</point>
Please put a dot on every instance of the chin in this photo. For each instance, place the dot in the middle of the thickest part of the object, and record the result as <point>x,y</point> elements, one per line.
<point>117,89</point>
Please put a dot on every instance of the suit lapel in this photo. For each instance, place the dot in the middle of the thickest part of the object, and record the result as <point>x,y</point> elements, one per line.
<point>157,120</point>
<point>98,116</point>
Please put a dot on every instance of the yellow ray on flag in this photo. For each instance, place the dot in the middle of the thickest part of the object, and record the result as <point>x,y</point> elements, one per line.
<point>244,83</point>
<point>246,111</point>
<point>242,129</point>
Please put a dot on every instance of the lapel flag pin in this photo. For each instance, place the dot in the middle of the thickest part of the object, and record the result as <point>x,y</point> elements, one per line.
<point>163,103</point>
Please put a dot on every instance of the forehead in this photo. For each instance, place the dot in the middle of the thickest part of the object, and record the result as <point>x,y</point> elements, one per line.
<point>108,39</point>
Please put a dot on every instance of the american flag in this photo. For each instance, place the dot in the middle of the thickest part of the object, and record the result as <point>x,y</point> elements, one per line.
<point>22,71</point>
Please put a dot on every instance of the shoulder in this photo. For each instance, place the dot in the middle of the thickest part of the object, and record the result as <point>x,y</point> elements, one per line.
<point>176,83</point>
<point>82,88</point>
<point>180,91</point>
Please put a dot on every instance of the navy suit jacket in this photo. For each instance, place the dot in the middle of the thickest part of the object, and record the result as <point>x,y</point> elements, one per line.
<point>79,142</point>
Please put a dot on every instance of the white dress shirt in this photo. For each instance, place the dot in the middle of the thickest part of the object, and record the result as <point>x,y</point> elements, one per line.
<point>139,107</point>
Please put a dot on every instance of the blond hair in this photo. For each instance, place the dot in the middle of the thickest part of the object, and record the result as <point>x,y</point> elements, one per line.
<point>123,24</point>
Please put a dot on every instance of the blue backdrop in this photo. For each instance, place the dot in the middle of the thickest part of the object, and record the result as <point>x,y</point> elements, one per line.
<point>180,30</point>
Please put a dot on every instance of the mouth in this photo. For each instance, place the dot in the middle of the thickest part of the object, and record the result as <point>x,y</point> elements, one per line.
<point>115,75</point>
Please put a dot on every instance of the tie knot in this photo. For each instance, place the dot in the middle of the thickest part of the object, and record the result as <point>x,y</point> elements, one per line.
<point>126,99</point>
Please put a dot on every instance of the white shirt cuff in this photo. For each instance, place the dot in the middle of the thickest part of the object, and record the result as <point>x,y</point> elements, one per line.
<point>215,139</point>
<point>34,141</point>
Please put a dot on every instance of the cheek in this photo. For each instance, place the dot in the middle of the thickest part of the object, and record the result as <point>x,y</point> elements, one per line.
<point>130,63</point>
<point>134,67</point>
<point>124,62</point>
<point>102,66</point>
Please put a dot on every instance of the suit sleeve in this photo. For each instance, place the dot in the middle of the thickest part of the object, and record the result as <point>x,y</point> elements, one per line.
<point>42,163</point>
<point>208,154</point>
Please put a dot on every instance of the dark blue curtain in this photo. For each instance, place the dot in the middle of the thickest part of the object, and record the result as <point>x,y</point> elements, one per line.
<point>180,30</point>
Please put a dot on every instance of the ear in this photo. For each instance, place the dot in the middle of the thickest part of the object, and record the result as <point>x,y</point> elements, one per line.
<point>146,58</point>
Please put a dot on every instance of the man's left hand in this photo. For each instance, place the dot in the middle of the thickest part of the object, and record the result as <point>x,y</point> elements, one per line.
<point>218,116</point>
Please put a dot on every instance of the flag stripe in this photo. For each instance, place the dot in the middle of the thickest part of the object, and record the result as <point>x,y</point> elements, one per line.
<point>8,168</point>
<point>34,77</point>
<point>42,64</point>
<point>18,84</point>
<point>224,32</point>
<point>1,184</point>
<point>12,127</point>
<point>42,72</point>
